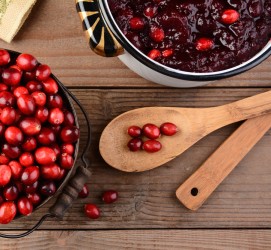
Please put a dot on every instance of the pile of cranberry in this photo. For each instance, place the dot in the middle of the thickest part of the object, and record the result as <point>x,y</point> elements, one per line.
<point>152,132</point>
<point>37,135</point>
<point>195,35</point>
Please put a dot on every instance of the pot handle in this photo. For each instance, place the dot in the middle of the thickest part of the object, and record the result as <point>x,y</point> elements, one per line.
<point>101,40</point>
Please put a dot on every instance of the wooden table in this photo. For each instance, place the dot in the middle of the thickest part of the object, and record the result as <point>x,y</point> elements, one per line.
<point>147,215</point>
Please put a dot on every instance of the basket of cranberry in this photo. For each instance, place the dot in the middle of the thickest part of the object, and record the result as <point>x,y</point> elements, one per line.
<point>39,139</point>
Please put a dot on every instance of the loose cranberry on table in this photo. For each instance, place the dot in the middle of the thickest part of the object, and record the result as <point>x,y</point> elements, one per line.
<point>92,211</point>
<point>84,192</point>
<point>110,196</point>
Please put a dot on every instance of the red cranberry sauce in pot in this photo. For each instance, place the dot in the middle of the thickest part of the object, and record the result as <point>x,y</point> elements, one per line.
<point>195,35</point>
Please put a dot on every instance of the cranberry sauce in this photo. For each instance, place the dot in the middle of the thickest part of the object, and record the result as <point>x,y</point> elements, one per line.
<point>195,35</point>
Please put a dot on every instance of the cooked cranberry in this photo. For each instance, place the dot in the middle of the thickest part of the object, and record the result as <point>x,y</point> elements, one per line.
<point>26,104</point>
<point>167,53</point>
<point>157,34</point>
<point>137,23</point>
<point>33,86</point>
<point>24,206</point>
<point>168,129</point>
<point>56,116</point>
<point>30,144</point>
<point>152,146</point>
<point>3,87</point>
<point>43,72</point>
<point>4,57</point>
<point>46,136</point>
<point>26,62</point>
<point>48,189</point>
<point>5,175</point>
<point>7,212</point>
<point>204,44</point>
<point>110,196</point>
<point>67,148</point>
<point>84,192</point>
<point>151,131</point>
<point>4,160</point>
<point>16,169</point>
<point>56,148</point>
<point>30,175</point>
<point>45,156</point>
<point>54,101</point>
<point>10,151</point>
<point>42,114</point>
<point>66,161</point>
<point>50,86</point>
<point>69,134</point>
<point>68,118</point>
<point>30,126</point>
<point>11,76</point>
<point>154,53</point>
<point>6,99</point>
<point>30,189</point>
<point>11,193</point>
<point>26,159</point>
<point>34,198</point>
<point>135,144</point>
<point>39,98</point>
<point>8,116</point>
<point>50,172</point>
<point>14,136</point>
<point>20,91</point>
<point>150,11</point>
<point>92,211</point>
<point>230,16</point>
<point>134,131</point>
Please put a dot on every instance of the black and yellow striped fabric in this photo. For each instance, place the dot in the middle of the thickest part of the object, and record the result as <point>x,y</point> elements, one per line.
<point>101,40</point>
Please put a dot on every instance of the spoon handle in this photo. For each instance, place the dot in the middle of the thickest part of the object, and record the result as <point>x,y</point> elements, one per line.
<point>197,188</point>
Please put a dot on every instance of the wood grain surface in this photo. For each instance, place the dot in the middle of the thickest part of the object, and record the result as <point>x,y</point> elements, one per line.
<point>147,201</point>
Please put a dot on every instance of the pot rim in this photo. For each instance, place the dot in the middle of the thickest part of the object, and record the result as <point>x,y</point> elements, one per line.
<point>174,73</point>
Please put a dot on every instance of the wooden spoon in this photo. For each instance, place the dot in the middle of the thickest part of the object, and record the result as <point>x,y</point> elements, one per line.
<point>193,123</point>
<point>199,186</point>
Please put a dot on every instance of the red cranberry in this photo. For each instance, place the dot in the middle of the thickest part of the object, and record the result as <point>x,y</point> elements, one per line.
<point>6,99</point>
<point>152,146</point>
<point>110,196</point>
<point>26,62</point>
<point>30,126</point>
<point>204,44</point>
<point>30,175</point>
<point>92,211</point>
<point>12,152</point>
<point>135,144</point>
<point>55,101</point>
<point>151,131</point>
<point>56,129</point>
<point>7,212</point>
<point>230,16</point>
<point>14,136</point>
<point>68,118</point>
<point>4,57</point>
<point>4,160</point>
<point>157,34</point>
<point>3,87</point>
<point>154,54</point>
<point>56,148</point>
<point>66,161</point>
<point>84,192</point>
<point>50,86</point>
<point>39,98</point>
<point>20,91</point>
<point>150,11</point>
<point>62,174</point>
<point>11,76</point>
<point>26,159</point>
<point>56,116</point>
<point>167,53</point>
<point>50,172</point>
<point>30,189</point>
<point>69,134</point>
<point>67,148</point>
<point>17,68</point>
<point>43,72</point>
<point>168,129</point>
<point>5,175</point>
<point>19,185</point>
<point>11,193</point>
<point>2,128</point>
<point>42,114</point>
<point>1,199</point>
<point>24,205</point>
<point>26,104</point>
<point>48,189</point>
<point>45,156</point>
<point>30,143</point>
<point>34,198</point>
<point>46,136</point>
<point>8,116</point>
<point>16,169</point>
<point>29,76</point>
<point>33,86</point>
<point>134,131</point>
<point>137,23</point>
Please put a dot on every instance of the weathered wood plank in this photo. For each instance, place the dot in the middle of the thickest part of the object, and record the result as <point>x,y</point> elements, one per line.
<point>144,239</point>
<point>53,33</point>
<point>147,200</point>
